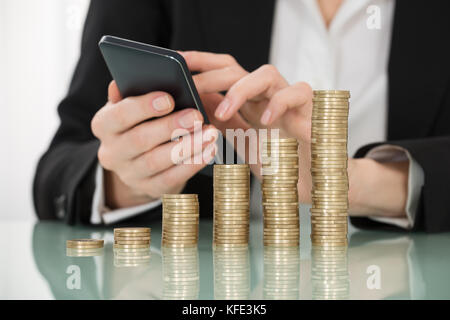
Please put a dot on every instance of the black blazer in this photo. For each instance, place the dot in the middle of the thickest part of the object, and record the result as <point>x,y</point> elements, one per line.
<point>419,92</point>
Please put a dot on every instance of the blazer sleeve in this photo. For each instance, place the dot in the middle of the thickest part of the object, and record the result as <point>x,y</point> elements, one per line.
<point>433,155</point>
<point>64,178</point>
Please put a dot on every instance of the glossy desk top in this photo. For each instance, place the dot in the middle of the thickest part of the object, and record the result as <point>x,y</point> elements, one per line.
<point>376,265</point>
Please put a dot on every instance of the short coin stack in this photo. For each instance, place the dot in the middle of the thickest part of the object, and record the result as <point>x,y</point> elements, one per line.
<point>231,205</point>
<point>329,273</point>
<point>131,246</point>
<point>231,273</point>
<point>181,273</point>
<point>280,192</point>
<point>281,273</point>
<point>180,220</point>
<point>132,238</point>
<point>84,247</point>
<point>329,132</point>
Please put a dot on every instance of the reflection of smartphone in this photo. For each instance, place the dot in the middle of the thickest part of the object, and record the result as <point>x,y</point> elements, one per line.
<point>140,68</point>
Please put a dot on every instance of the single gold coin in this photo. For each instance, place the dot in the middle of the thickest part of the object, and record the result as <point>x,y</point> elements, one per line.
<point>130,246</point>
<point>132,230</point>
<point>177,196</point>
<point>131,242</point>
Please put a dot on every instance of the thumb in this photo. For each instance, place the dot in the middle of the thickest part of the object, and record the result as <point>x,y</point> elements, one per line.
<point>114,95</point>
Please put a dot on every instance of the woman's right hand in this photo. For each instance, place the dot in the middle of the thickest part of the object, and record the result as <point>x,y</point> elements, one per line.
<point>136,148</point>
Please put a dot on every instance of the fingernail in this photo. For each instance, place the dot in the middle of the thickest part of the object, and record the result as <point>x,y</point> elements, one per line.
<point>162,103</point>
<point>209,153</point>
<point>266,117</point>
<point>188,120</point>
<point>210,135</point>
<point>222,108</point>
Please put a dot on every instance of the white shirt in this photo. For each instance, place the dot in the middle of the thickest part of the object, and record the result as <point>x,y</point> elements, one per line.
<point>350,55</point>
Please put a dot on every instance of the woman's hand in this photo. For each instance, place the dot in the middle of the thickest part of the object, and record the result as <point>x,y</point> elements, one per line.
<point>136,150</point>
<point>264,99</point>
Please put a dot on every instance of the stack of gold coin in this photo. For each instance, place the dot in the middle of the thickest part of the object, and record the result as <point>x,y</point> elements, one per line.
<point>329,273</point>
<point>329,133</point>
<point>280,192</point>
<point>281,273</point>
<point>231,273</point>
<point>180,220</point>
<point>180,273</point>
<point>132,238</point>
<point>132,257</point>
<point>231,205</point>
<point>84,247</point>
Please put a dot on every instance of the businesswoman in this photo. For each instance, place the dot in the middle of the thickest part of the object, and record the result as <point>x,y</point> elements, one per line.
<point>105,165</point>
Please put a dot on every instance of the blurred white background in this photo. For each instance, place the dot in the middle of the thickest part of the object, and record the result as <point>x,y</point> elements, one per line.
<point>39,46</point>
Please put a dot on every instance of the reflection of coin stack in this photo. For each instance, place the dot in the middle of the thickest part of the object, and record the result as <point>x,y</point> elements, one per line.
<point>180,220</point>
<point>329,168</point>
<point>84,247</point>
<point>329,274</point>
<point>131,247</point>
<point>231,273</point>
<point>231,204</point>
<point>181,273</point>
<point>281,273</point>
<point>280,192</point>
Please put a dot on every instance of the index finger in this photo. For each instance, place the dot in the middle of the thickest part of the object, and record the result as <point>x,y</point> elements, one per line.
<point>205,61</point>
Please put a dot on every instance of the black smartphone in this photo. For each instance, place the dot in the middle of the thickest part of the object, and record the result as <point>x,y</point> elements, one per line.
<point>140,68</point>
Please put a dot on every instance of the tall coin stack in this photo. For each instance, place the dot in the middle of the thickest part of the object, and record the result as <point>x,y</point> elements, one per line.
<point>231,273</point>
<point>329,133</point>
<point>180,273</point>
<point>280,192</point>
<point>231,205</point>
<point>281,273</point>
<point>180,220</point>
<point>329,273</point>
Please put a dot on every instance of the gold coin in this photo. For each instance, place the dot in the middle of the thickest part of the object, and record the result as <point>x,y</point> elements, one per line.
<point>230,222</point>
<point>231,178</point>
<point>219,205</point>
<point>132,230</point>
<point>227,241</point>
<point>177,245</point>
<point>131,236</point>
<point>131,246</point>
<point>333,93</point>
<point>179,195</point>
<point>169,215</point>
<point>271,212</point>
<point>131,241</point>
<point>84,243</point>
<point>328,222</point>
<point>280,195</point>
<point>242,213</point>
<point>179,238</point>
<point>226,166</point>
<point>343,242</point>
<point>180,201</point>
<point>234,195</point>
<point>182,205</point>
<point>321,214</point>
<point>170,224</point>
<point>232,231</point>
<point>179,210</point>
